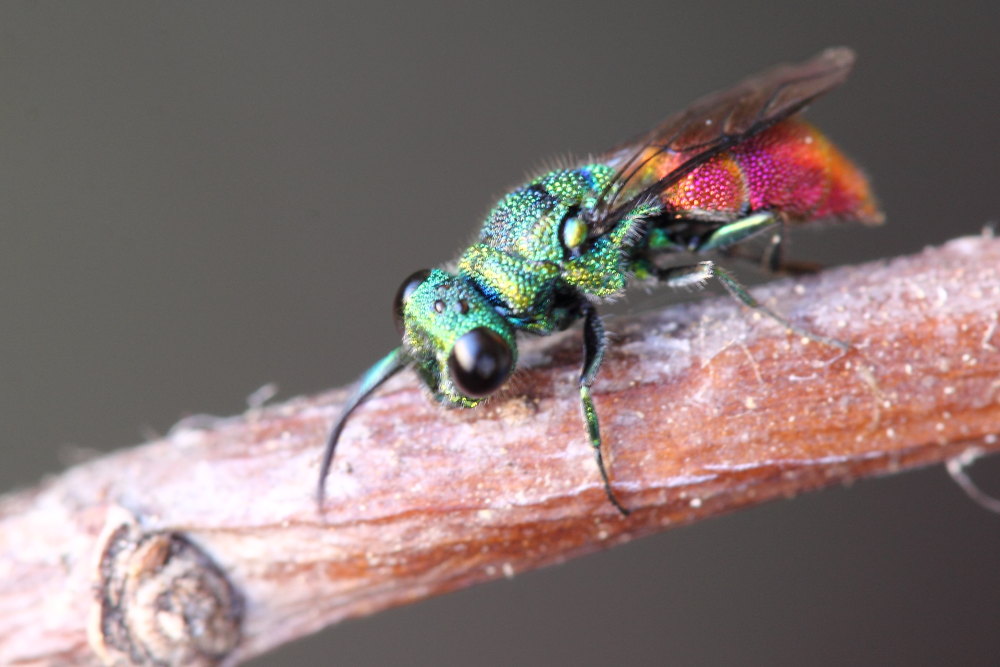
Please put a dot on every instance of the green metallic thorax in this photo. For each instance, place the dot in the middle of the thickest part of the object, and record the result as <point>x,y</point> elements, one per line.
<point>534,249</point>
<point>533,260</point>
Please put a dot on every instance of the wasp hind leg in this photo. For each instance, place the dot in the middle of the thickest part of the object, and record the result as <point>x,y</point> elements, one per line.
<point>595,342</point>
<point>740,230</point>
<point>726,239</point>
<point>696,274</point>
<point>782,267</point>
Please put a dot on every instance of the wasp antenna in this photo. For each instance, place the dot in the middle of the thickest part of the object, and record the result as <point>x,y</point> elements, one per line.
<point>388,366</point>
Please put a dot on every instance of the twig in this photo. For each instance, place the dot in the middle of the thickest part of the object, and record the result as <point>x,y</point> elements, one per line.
<point>706,409</point>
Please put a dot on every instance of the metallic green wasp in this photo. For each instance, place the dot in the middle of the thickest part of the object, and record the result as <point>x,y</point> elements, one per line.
<point>736,164</point>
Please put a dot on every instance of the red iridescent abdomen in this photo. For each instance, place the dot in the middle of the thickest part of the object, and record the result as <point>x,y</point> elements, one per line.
<point>789,168</point>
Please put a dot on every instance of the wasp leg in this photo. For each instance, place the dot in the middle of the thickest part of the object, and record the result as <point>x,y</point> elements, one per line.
<point>772,259</point>
<point>696,274</point>
<point>740,230</point>
<point>774,256</point>
<point>595,342</point>
<point>786,267</point>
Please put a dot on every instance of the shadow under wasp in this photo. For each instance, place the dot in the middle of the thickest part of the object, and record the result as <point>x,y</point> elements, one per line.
<point>737,164</point>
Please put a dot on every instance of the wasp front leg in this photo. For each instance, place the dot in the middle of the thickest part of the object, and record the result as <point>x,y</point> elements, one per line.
<point>595,342</point>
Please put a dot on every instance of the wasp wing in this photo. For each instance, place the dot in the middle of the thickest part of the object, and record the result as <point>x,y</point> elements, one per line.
<point>711,125</point>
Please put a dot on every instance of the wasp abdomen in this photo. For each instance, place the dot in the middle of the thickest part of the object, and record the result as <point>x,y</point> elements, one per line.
<point>791,169</point>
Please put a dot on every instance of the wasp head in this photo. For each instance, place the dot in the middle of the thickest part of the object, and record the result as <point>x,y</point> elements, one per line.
<point>461,347</point>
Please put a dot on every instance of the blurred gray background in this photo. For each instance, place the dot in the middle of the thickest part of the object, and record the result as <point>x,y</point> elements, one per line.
<point>197,199</point>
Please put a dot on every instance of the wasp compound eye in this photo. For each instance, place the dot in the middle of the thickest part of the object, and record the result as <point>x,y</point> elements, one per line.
<point>403,293</point>
<point>480,362</point>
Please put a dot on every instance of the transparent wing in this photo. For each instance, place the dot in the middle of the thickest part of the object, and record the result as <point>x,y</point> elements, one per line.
<point>711,125</point>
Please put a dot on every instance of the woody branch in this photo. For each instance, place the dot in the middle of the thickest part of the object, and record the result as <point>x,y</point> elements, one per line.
<point>706,409</point>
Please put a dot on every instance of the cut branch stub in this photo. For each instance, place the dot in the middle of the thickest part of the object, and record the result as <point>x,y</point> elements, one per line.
<point>160,600</point>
